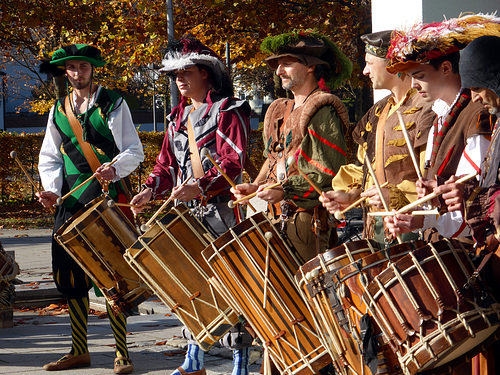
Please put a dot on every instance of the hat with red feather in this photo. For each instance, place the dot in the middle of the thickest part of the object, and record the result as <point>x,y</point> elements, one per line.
<point>423,42</point>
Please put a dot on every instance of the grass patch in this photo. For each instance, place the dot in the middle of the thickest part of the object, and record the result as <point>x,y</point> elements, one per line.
<point>24,215</point>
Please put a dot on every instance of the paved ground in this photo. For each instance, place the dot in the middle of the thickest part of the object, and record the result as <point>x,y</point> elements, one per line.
<point>39,337</point>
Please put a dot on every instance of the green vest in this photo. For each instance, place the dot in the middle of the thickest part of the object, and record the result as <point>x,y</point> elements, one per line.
<point>97,133</point>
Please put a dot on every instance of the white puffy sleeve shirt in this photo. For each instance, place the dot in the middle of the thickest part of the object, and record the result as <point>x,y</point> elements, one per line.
<point>50,165</point>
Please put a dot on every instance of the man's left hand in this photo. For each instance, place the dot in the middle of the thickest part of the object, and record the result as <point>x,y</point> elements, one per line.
<point>374,198</point>
<point>186,193</point>
<point>272,196</point>
<point>105,172</point>
<point>452,194</point>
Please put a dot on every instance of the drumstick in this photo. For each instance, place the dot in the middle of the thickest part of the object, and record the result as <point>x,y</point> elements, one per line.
<point>204,152</point>
<point>231,204</point>
<point>13,155</point>
<point>340,214</point>
<point>432,195</point>
<point>112,203</point>
<point>414,213</point>
<point>60,200</point>
<point>291,160</point>
<point>165,204</point>
<point>379,189</point>
<point>409,144</point>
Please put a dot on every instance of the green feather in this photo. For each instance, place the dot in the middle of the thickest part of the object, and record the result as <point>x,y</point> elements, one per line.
<point>340,66</point>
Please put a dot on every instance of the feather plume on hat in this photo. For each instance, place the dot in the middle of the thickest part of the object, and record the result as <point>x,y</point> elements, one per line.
<point>423,42</point>
<point>311,48</point>
<point>187,52</point>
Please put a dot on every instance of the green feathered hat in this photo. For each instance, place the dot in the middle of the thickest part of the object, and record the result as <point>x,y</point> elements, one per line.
<point>80,52</point>
<point>310,48</point>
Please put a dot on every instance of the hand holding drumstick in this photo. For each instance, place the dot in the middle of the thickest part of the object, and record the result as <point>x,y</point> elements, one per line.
<point>334,200</point>
<point>400,222</point>
<point>105,173</point>
<point>262,191</point>
<point>205,153</point>
<point>138,202</point>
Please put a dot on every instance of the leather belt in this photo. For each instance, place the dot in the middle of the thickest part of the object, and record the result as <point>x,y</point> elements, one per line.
<point>213,200</point>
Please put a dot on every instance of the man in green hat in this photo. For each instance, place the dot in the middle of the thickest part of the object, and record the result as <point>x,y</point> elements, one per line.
<point>304,135</point>
<point>101,118</point>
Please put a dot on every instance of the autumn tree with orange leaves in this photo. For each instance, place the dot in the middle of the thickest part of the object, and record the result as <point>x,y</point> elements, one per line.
<point>133,35</point>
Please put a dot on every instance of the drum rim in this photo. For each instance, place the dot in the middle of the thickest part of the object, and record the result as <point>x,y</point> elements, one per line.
<point>239,228</point>
<point>68,226</point>
<point>336,252</point>
<point>362,264</point>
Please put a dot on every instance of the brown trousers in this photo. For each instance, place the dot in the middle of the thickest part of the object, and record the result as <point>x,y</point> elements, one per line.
<point>299,230</point>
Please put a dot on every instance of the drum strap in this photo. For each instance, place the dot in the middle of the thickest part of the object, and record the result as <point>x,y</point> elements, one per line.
<point>195,154</point>
<point>88,152</point>
<point>379,153</point>
<point>475,274</point>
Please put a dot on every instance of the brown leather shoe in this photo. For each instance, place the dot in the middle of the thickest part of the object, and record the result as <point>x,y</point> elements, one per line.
<point>199,372</point>
<point>69,361</point>
<point>123,369</point>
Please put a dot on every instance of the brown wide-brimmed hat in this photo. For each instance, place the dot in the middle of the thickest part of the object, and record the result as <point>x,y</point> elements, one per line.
<point>310,48</point>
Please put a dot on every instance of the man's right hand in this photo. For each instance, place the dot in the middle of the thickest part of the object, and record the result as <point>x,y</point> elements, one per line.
<point>335,201</point>
<point>403,223</point>
<point>243,190</point>
<point>452,194</point>
<point>140,200</point>
<point>47,198</point>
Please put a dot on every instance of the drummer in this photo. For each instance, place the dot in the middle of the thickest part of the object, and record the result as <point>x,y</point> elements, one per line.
<point>460,138</point>
<point>379,136</point>
<point>306,132</point>
<point>220,123</point>
<point>480,71</point>
<point>106,123</point>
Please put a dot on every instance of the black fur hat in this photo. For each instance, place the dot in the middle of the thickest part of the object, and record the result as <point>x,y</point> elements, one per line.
<point>480,64</point>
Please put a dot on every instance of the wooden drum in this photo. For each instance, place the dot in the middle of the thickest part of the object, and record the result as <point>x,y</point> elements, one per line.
<point>9,269</point>
<point>315,280</point>
<point>168,258</point>
<point>96,237</point>
<point>424,311</point>
<point>350,283</point>
<point>256,268</point>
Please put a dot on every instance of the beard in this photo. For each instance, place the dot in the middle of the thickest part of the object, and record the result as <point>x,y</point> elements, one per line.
<point>79,85</point>
<point>291,82</point>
